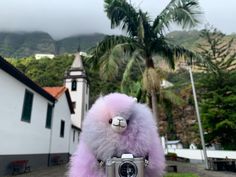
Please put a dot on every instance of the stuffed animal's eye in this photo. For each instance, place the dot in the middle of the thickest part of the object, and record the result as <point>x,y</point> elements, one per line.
<point>110,121</point>
<point>127,121</point>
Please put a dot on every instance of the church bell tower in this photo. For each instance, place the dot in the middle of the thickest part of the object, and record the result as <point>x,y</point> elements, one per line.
<point>77,83</point>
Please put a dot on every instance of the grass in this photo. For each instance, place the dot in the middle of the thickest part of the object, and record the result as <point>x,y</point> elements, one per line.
<point>181,175</point>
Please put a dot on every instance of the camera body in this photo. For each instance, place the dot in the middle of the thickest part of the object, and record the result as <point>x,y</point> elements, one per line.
<point>126,166</point>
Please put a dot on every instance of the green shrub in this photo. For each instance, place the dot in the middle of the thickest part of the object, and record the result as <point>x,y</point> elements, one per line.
<point>181,175</point>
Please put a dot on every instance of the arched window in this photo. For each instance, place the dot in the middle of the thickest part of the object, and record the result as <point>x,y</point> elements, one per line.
<point>74,85</point>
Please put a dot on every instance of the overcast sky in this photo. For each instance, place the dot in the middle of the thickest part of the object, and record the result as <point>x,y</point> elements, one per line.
<point>62,18</point>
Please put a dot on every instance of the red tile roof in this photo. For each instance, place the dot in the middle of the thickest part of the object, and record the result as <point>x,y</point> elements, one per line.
<point>55,91</point>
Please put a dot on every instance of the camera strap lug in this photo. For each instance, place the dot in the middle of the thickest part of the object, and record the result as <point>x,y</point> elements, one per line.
<point>146,162</point>
<point>101,163</point>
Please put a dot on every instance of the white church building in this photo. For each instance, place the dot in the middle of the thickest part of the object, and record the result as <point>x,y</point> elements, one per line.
<point>40,125</point>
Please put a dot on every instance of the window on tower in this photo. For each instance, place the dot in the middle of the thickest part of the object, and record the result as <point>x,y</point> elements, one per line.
<point>74,85</point>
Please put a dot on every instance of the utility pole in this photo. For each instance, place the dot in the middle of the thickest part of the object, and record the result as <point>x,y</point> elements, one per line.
<point>198,118</point>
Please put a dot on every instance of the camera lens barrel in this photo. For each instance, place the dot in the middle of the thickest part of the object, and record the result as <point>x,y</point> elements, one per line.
<point>128,169</point>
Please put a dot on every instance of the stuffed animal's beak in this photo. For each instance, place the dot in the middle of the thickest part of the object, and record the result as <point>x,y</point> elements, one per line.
<point>119,124</point>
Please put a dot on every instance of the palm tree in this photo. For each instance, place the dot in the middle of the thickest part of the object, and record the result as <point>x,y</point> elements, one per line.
<point>144,39</point>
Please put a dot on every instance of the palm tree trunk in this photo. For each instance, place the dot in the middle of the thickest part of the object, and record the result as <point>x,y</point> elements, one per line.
<point>150,64</point>
<point>154,107</point>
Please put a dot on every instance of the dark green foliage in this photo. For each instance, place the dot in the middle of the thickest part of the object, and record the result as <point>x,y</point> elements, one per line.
<point>171,132</point>
<point>218,94</point>
<point>218,110</point>
<point>45,72</point>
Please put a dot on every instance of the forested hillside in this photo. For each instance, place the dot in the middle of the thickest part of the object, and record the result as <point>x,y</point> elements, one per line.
<point>71,44</point>
<point>19,45</point>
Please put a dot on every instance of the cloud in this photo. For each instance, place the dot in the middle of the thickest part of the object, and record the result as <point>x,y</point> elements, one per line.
<point>63,18</point>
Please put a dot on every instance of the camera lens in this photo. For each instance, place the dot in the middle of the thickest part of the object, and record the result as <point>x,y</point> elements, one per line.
<point>128,169</point>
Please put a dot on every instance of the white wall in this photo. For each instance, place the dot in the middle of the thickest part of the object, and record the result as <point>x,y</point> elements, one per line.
<point>175,146</point>
<point>198,154</point>
<point>16,136</point>
<point>39,56</point>
<point>61,112</point>
<point>74,142</point>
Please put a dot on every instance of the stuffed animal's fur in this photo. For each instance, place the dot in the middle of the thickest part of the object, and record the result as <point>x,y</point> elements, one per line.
<point>117,124</point>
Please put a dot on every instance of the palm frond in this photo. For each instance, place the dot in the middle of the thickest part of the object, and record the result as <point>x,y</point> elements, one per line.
<point>109,64</point>
<point>127,73</point>
<point>120,12</point>
<point>145,30</point>
<point>182,12</point>
<point>104,48</point>
<point>171,52</point>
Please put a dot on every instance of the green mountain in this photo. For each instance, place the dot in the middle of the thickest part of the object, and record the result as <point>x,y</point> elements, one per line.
<point>191,39</point>
<point>19,45</point>
<point>84,42</point>
<point>188,39</point>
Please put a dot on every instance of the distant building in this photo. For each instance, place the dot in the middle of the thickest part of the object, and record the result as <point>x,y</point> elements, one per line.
<point>166,84</point>
<point>36,123</point>
<point>175,144</point>
<point>38,56</point>
<point>192,146</point>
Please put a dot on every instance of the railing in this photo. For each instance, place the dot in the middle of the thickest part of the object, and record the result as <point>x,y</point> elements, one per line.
<point>222,164</point>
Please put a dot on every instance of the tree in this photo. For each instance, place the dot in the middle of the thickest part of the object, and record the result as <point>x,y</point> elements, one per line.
<point>45,72</point>
<point>144,39</point>
<point>218,93</point>
<point>218,53</point>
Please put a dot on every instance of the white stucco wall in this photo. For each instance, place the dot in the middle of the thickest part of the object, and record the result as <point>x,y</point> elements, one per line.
<point>16,136</point>
<point>81,99</point>
<point>61,112</point>
<point>39,56</point>
<point>74,140</point>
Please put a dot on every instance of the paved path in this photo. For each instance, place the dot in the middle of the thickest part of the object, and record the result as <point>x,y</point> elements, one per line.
<point>54,171</point>
<point>60,171</point>
<point>199,170</point>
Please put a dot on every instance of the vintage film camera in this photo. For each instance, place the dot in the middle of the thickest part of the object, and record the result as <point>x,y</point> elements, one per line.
<point>126,166</point>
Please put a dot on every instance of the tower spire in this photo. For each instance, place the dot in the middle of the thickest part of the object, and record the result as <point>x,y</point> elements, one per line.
<point>77,63</point>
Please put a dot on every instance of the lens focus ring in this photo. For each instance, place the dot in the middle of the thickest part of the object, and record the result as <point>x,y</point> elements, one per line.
<point>128,169</point>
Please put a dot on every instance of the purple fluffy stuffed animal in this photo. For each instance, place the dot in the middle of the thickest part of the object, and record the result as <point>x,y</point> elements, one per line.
<point>117,124</point>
